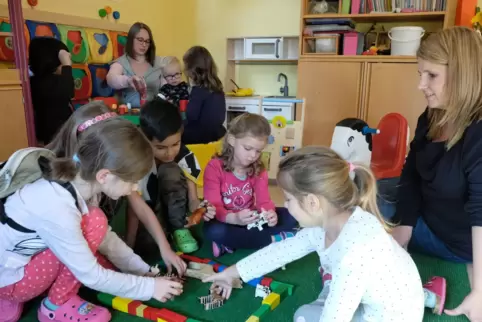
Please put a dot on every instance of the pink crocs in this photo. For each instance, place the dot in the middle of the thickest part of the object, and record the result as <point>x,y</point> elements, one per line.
<point>437,285</point>
<point>10,311</point>
<point>219,250</point>
<point>75,309</point>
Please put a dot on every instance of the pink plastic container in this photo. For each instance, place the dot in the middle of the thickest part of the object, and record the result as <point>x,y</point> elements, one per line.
<point>350,43</point>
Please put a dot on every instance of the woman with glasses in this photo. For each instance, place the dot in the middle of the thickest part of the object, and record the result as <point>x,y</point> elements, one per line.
<point>136,75</point>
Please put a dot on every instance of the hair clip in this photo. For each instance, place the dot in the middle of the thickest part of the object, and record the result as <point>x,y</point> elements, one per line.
<point>95,120</point>
<point>76,159</point>
<point>352,166</point>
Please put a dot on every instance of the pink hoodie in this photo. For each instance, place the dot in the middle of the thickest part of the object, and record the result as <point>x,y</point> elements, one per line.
<point>229,194</point>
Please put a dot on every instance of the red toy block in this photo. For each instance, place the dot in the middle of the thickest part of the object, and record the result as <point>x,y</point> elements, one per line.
<point>216,267</point>
<point>266,281</point>
<point>166,315</point>
<point>195,259</point>
<point>132,307</point>
<point>150,311</point>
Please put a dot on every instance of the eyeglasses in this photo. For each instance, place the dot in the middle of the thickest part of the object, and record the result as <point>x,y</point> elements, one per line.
<point>142,40</point>
<point>173,76</point>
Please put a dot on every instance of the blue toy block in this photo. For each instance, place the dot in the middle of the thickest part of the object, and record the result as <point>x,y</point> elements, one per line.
<point>221,268</point>
<point>212,263</point>
<point>255,281</point>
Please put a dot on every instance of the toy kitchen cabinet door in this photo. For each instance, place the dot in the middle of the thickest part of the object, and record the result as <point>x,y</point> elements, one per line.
<point>284,140</point>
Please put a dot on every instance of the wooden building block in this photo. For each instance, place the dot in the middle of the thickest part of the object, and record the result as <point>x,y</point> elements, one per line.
<point>121,304</point>
<point>262,311</point>
<point>252,318</point>
<point>105,299</point>
<point>266,281</point>
<point>140,310</point>
<point>281,289</point>
<point>132,307</point>
<point>161,320</point>
<point>167,315</point>
<point>290,287</point>
<point>273,300</point>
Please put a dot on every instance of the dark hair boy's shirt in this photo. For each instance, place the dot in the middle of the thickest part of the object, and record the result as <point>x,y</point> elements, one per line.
<point>149,185</point>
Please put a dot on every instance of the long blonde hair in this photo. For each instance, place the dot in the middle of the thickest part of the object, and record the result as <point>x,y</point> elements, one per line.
<point>460,49</point>
<point>114,144</point>
<point>322,172</point>
<point>241,126</point>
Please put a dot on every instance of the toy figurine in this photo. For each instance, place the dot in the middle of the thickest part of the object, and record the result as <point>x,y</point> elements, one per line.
<point>259,223</point>
<point>197,216</point>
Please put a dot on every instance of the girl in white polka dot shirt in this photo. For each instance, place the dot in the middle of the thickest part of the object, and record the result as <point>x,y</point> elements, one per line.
<point>367,275</point>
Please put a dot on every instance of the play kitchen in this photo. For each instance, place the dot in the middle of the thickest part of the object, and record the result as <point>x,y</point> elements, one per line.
<point>268,106</point>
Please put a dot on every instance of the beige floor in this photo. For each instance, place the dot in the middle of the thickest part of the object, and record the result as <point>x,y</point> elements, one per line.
<point>274,191</point>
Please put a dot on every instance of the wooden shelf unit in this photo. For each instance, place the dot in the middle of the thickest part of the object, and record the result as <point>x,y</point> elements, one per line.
<point>430,20</point>
<point>384,16</point>
<point>368,87</point>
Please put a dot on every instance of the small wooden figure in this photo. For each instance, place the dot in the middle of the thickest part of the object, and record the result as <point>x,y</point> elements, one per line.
<point>197,216</point>
<point>212,301</point>
<point>262,291</point>
<point>259,223</point>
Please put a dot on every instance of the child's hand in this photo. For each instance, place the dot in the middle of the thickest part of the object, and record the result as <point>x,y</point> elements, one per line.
<point>65,58</point>
<point>171,259</point>
<point>224,281</point>
<point>246,217</point>
<point>271,217</point>
<point>222,289</point>
<point>210,213</point>
<point>138,83</point>
<point>166,289</point>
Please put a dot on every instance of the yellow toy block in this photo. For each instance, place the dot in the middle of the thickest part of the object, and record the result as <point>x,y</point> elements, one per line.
<point>272,300</point>
<point>179,253</point>
<point>121,304</point>
<point>253,318</point>
<point>140,310</point>
<point>161,320</point>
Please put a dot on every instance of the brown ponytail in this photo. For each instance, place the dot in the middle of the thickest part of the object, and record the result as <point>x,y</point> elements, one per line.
<point>322,172</point>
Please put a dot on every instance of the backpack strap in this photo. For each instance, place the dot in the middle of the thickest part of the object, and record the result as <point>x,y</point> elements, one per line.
<point>4,219</point>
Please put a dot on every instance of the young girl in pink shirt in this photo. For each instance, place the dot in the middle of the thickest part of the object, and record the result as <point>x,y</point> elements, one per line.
<point>236,183</point>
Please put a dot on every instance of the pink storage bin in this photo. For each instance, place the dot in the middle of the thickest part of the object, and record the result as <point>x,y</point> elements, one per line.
<point>350,43</point>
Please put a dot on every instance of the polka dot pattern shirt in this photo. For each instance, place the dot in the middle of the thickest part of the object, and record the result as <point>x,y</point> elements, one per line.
<point>367,265</point>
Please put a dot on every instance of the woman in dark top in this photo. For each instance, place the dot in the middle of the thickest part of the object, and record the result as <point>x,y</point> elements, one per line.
<point>52,86</point>
<point>439,195</point>
<point>206,110</point>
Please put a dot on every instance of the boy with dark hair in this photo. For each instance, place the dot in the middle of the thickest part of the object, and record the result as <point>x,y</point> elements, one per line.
<point>166,189</point>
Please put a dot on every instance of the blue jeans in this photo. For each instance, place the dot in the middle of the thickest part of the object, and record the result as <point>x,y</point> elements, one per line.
<point>423,239</point>
<point>239,237</point>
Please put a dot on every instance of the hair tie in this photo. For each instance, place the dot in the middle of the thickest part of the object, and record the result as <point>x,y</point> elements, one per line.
<point>84,126</point>
<point>76,159</point>
<point>352,166</point>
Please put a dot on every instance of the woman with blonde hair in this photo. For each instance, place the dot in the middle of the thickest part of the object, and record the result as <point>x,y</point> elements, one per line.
<point>439,196</point>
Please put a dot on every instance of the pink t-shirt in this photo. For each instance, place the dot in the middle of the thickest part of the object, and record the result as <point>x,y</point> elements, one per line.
<point>230,194</point>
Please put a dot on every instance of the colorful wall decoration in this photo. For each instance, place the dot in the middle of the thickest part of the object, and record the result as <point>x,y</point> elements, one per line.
<point>92,52</point>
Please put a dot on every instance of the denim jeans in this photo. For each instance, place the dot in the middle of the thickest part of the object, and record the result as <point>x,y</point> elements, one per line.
<point>423,239</point>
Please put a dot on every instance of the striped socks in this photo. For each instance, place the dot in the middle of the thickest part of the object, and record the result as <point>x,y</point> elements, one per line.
<point>282,236</point>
